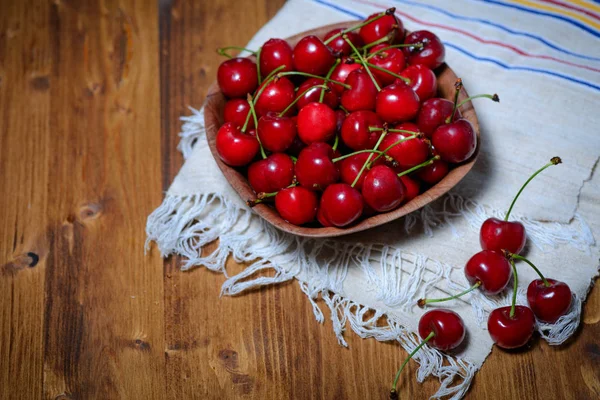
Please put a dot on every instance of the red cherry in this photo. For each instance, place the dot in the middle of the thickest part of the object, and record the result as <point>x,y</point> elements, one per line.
<point>316,123</point>
<point>362,95</point>
<point>511,332</point>
<point>409,153</point>
<point>356,133</point>
<point>277,95</point>
<point>275,53</point>
<point>340,117</point>
<point>331,98</point>
<point>341,72</point>
<point>235,147</point>
<point>413,188</point>
<point>276,133</point>
<point>312,56</point>
<point>433,173</point>
<point>237,77</point>
<point>296,205</point>
<point>382,189</point>
<point>387,25</point>
<point>422,81</point>
<point>391,60</point>
<point>397,103</point>
<point>432,53</point>
<point>501,235</point>
<point>340,45</point>
<point>549,303</point>
<point>342,204</point>
<point>271,174</point>
<point>433,113</point>
<point>297,145</point>
<point>236,111</point>
<point>315,168</point>
<point>322,219</point>
<point>351,166</point>
<point>455,142</point>
<point>491,268</point>
<point>447,326</point>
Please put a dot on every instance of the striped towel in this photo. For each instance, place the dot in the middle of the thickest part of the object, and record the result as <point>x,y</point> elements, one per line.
<point>543,58</point>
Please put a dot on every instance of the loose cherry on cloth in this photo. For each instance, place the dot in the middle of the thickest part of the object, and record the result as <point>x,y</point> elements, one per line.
<point>549,299</point>
<point>512,326</point>
<point>441,329</point>
<point>508,235</point>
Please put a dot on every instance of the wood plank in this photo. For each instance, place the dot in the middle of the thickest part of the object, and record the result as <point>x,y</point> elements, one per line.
<point>266,344</point>
<point>80,94</point>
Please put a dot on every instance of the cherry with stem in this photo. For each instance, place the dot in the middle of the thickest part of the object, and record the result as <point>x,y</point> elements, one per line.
<point>389,11</point>
<point>253,112</point>
<point>288,108</point>
<point>368,159</point>
<point>327,77</point>
<point>422,165</point>
<point>363,62</point>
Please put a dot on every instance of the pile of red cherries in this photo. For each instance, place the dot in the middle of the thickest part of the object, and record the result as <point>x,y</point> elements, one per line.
<point>490,271</point>
<point>342,127</point>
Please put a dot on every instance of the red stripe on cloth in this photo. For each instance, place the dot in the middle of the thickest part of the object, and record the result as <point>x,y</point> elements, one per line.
<point>572,7</point>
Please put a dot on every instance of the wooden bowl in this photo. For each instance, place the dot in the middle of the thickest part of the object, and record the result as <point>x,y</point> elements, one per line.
<point>213,117</point>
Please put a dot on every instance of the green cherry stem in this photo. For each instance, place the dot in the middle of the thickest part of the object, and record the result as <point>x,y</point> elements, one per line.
<point>268,80</point>
<point>333,67</point>
<point>313,76</point>
<point>253,112</point>
<point>422,302</point>
<point>223,50</point>
<point>363,62</point>
<point>518,257</point>
<point>384,39</point>
<point>406,80</point>
<point>355,27</point>
<point>416,167</point>
<point>355,153</point>
<point>493,97</point>
<point>395,46</point>
<point>376,129</point>
<point>515,286</point>
<point>553,161</point>
<point>368,159</point>
<point>412,353</point>
<point>384,152</point>
<point>326,89</point>
<point>336,142</point>
<point>457,86</point>
<point>258,64</point>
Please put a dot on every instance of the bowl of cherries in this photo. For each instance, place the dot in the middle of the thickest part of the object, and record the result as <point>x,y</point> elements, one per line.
<point>342,128</point>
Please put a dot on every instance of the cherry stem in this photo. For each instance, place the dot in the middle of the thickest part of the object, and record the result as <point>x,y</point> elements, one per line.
<point>493,97</point>
<point>458,86</point>
<point>375,129</point>
<point>336,142</point>
<point>355,27</point>
<point>355,153</point>
<point>313,76</point>
<point>337,62</point>
<point>396,46</point>
<point>344,109</point>
<point>368,159</point>
<point>412,353</point>
<point>363,62</point>
<point>223,50</point>
<point>383,39</point>
<point>422,302</point>
<point>518,257</point>
<point>281,114</point>
<point>406,80</point>
<point>416,167</point>
<point>268,80</point>
<point>384,152</point>
<point>515,286</point>
<point>253,112</point>
<point>553,161</point>
<point>258,64</point>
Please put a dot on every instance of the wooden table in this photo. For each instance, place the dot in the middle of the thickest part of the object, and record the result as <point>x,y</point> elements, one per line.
<point>90,96</point>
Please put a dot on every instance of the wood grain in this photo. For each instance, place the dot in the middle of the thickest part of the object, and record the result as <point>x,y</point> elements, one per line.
<point>84,155</point>
<point>446,79</point>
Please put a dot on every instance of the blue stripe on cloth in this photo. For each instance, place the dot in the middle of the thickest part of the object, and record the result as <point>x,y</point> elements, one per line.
<point>501,27</point>
<point>544,14</point>
<point>473,56</point>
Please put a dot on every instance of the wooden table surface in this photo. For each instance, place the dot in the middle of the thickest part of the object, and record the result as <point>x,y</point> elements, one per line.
<point>90,95</point>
